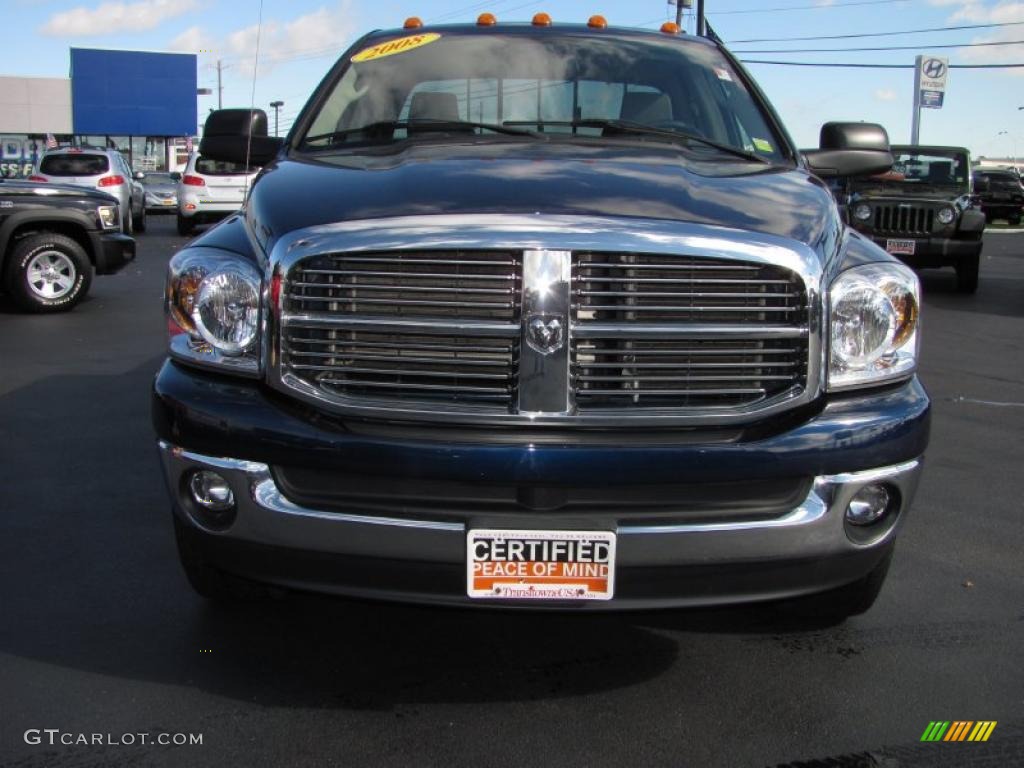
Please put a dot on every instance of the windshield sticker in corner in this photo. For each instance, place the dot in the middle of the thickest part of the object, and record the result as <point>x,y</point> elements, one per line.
<point>762,146</point>
<point>390,48</point>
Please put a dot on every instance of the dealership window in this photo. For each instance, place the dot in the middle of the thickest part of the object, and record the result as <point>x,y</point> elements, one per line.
<point>149,153</point>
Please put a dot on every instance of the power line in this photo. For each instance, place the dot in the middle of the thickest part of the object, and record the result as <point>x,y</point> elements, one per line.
<point>875,66</point>
<point>877,34</point>
<point>881,48</point>
<point>833,6</point>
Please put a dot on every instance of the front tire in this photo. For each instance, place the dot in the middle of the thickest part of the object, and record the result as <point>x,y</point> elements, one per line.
<point>967,274</point>
<point>48,273</point>
<point>139,225</point>
<point>186,226</point>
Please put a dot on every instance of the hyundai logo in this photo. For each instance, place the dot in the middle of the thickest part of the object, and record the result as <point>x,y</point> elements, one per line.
<point>934,69</point>
<point>545,333</point>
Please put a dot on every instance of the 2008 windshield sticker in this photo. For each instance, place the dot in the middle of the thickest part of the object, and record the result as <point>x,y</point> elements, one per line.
<point>390,48</point>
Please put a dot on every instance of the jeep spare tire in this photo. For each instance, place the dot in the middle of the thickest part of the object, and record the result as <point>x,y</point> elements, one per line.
<point>48,273</point>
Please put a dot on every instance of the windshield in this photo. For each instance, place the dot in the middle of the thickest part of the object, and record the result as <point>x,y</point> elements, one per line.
<point>561,85</point>
<point>924,170</point>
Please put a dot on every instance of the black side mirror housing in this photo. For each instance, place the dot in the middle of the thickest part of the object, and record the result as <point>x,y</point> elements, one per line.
<point>850,149</point>
<point>238,136</point>
<point>175,176</point>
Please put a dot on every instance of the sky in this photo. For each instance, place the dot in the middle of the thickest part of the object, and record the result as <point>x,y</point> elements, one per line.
<point>300,39</point>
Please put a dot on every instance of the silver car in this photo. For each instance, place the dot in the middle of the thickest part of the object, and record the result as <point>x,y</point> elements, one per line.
<point>102,169</point>
<point>162,192</point>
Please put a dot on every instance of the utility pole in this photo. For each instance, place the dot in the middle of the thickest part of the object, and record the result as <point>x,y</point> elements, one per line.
<point>680,5</point>
<point>220,86</point>
<point>277,106</point>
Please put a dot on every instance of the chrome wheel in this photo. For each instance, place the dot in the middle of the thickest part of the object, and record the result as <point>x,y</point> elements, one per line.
<point>51,275</point>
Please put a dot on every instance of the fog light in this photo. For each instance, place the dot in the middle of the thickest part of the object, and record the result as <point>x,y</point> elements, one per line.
<point>211,491</point>
<point>868,505</point>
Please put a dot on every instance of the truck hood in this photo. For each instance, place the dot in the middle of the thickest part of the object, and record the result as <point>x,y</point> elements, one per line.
<point>636,179</point>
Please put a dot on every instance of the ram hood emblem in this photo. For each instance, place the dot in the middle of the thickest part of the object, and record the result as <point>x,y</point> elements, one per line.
<point>545,333</point>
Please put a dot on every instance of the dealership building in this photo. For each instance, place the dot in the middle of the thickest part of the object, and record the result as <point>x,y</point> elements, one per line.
<point>141,103</point>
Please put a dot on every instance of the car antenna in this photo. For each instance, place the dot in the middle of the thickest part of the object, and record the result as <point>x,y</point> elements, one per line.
<point>252,96</point>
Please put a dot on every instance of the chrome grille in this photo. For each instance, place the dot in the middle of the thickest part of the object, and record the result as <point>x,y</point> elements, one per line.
<point>446,335</point>
<point>471,285</point>
<point>655,331</point>
<point>904,219</point>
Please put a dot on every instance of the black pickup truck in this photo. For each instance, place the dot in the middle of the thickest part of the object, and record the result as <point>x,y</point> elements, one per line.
<point>52,238</point>
<point>540,315</point>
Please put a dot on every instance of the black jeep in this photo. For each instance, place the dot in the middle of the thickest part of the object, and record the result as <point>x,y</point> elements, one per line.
<point>1001,194</point>
<point>922,211</point>
<point>52,238</point>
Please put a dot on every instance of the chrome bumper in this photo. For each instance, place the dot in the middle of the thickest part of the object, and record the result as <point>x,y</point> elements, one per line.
<point>813,530</point>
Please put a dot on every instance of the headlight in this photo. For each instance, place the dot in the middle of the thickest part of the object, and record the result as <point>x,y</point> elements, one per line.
<point>862,211</point>
<point>946,215</point>
<point>873,325</point>
<point>213,310</point>
<point>108,216</point>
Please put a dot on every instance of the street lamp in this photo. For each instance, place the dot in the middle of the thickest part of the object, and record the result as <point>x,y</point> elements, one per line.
<point>277,106</point>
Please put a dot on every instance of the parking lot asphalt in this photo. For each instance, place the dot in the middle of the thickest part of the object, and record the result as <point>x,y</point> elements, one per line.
<point>100,634</point>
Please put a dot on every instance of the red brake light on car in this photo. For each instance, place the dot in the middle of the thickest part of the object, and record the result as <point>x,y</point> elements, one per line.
<point>193,181</point>
<point>35,177</point>
<point>111,181</point>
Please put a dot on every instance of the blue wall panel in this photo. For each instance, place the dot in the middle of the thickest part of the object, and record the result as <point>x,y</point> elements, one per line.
<point>133,93</point>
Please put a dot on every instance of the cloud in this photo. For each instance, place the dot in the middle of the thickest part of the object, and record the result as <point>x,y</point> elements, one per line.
<point>885,94</point>
<point>998,13</point>
<point>115,18</point>
<point>325,30</point>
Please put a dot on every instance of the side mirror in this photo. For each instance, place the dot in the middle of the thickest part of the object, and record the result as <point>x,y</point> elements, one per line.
<point>237,136</point>
<point>175,176</point>
<point>850,149</point>
<point>139,175</point>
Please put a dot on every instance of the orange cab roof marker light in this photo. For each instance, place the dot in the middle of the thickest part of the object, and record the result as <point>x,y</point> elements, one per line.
<point>413,22</point>
<point>670,28</point>
<point>541,20</point>
<point>597,22</point>
<point>486,20</point>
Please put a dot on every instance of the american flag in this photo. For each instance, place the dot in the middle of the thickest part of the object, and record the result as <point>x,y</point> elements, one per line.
<point>51,141</point>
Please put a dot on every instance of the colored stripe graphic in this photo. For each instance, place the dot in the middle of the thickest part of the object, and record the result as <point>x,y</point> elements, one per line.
<point>958,730</point>
<point>935,730</point>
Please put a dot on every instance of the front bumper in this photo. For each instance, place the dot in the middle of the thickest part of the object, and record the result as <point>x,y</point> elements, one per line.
<point>934,251</point>
<point>113,250</point>
<point>202,418</point>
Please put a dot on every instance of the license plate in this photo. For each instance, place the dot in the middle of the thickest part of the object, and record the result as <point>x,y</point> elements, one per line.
<point>900,247</point>
<point>540,565</point>
<point>169,202</point>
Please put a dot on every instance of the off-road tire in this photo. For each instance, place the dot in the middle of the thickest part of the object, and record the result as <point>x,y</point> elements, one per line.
<point>76,267</point>
<point>967,274</point>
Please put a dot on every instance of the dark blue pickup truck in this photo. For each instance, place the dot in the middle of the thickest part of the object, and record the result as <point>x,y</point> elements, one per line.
<point>541,315</point>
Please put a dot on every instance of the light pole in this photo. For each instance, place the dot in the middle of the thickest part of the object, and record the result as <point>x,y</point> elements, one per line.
<point>1013,144</point>
<point>277,106</point>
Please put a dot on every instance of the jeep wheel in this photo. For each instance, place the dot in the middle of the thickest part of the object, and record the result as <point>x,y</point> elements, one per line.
<point>967,274</point>
<point>207,580</point>
<point>48,273</point>
<point>185,226</point>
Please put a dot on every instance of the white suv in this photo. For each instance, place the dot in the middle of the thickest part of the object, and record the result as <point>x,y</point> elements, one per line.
<point>210,190</point>
<point>102,169</point>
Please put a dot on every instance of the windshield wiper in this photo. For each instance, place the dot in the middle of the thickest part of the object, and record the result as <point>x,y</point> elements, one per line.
<point>642,129</point>
<point>382,126</point>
